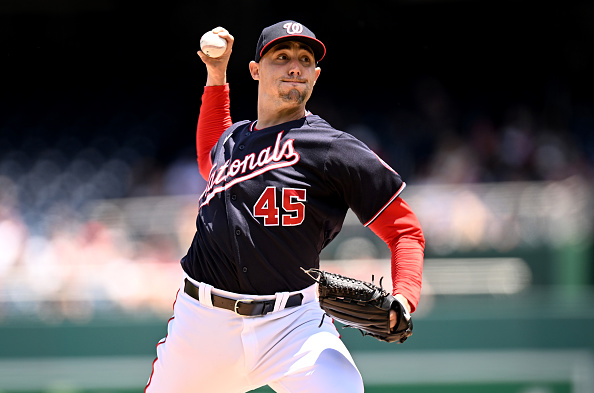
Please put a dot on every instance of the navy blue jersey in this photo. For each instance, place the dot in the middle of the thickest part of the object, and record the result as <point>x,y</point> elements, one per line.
<point>276,197</point>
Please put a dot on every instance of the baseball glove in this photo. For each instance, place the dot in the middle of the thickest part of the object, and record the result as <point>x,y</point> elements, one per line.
<point>362,305</point>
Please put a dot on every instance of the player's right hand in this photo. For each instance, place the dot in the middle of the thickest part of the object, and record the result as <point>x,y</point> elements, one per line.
<point>216,68</point>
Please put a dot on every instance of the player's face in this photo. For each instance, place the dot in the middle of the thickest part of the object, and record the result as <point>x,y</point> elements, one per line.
<point>288,71</point>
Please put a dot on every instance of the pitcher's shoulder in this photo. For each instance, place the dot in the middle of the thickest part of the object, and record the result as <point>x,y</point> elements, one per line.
<point>316,122</point>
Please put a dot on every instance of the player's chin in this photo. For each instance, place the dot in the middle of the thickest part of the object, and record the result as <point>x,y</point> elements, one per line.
<point>296,96</point>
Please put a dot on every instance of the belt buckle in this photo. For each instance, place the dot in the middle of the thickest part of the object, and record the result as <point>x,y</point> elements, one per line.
<point>237,302</point>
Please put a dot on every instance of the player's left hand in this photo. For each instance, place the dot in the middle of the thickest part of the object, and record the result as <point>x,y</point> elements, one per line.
<point>393,319</point>
<point>363,305</point>
<point>393,315</point>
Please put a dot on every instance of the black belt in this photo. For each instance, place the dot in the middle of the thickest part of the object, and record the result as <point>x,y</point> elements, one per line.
<point>244,307</point>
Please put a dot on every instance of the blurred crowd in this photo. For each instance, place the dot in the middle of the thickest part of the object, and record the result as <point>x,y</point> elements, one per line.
<point>438,138</point>
<point>54,168</point>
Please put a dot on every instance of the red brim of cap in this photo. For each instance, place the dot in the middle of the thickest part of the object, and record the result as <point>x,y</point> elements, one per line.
<point>316,45</point>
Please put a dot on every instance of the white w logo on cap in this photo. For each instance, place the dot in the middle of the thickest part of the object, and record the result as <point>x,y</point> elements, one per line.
<point>293,28</point>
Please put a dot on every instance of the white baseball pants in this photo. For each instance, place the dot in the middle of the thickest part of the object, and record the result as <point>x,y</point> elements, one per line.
<point>213,350</point>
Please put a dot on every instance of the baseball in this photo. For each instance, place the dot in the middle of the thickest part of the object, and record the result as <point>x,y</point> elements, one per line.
<point>212,45</point>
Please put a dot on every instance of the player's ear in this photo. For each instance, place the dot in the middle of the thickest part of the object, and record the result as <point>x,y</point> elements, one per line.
<point>255,70</point>
<point>318,70</point>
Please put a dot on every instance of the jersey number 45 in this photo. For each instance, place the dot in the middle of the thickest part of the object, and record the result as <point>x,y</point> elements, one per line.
<point>291,202</point>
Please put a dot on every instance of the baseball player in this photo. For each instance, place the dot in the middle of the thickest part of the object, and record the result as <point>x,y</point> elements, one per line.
<point>278,189</point>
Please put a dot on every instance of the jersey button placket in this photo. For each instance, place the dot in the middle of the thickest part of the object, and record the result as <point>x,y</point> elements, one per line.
<point>238,233</point>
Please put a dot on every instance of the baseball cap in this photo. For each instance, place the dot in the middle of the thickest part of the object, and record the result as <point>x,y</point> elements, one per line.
<point>288,30</point>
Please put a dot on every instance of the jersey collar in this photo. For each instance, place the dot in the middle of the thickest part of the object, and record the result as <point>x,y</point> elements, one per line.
<point>253,124</point>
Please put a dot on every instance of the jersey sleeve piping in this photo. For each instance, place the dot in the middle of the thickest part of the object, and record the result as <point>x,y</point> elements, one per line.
<point>402,187</point>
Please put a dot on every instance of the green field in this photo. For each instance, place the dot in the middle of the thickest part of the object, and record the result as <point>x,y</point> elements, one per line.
<point>465,345</point>
<point>418,388</point>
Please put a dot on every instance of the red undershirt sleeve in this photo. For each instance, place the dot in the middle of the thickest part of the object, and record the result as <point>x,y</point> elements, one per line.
<point>399,227</point>
<point>214,119</point>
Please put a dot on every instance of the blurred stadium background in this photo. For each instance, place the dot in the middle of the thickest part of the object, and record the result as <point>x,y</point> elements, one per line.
<point>485,108</point>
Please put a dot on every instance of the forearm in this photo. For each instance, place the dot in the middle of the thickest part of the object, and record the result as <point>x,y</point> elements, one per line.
<point>399,227</point>
<point>215,116</point>
<point>214,119</point>
<point>216,78</point>
<point>407,269</point>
